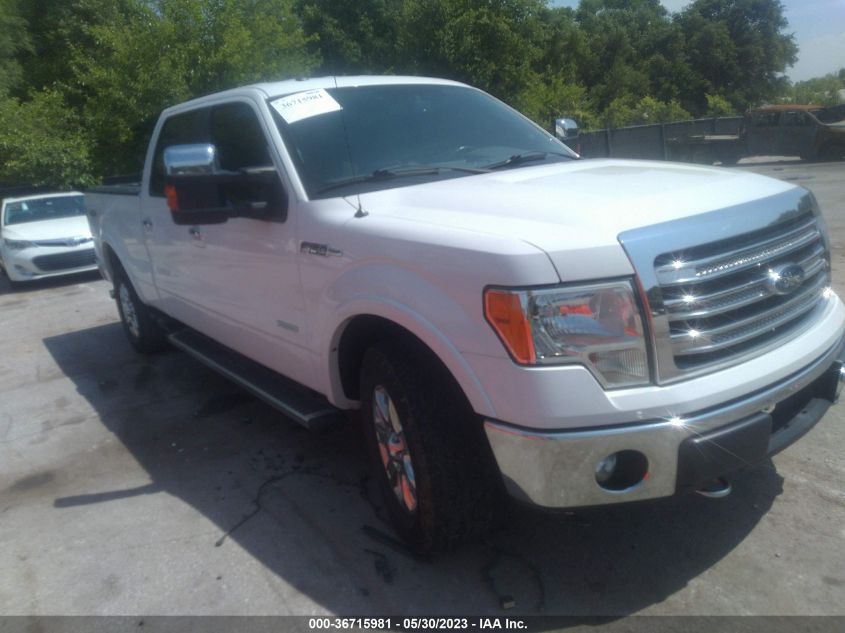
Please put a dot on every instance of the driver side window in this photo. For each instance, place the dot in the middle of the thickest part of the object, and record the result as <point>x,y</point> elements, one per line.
<point>240,140</point>
<point>180,129</point>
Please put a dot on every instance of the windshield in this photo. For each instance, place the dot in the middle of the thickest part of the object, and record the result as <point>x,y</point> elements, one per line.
<point>404,134</point>
<point>833,114</point>
<point>37,209</point>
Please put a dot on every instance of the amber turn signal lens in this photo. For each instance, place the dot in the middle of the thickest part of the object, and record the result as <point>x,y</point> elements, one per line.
<point>504,312</point>
<point>172,198</point>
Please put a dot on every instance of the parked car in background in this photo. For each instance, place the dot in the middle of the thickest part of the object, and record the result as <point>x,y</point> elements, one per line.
<point>810,131</point>
<point>44,235</point>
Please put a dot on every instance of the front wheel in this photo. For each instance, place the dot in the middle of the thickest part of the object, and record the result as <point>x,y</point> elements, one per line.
<point>832,150</point>
<point>143,332</point>
<point>432,462</point>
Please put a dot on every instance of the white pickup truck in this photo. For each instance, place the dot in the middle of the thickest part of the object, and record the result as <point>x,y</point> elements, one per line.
<point>504,315</point>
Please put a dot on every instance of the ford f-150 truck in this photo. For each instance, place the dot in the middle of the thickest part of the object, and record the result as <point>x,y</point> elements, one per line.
<point>504,315</point>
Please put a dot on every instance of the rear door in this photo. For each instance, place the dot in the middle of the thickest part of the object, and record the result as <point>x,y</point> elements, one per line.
<point>797,134</point>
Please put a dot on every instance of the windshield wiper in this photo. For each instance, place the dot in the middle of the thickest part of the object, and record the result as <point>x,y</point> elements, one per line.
<point>517,159</point>
<point>388,174</point>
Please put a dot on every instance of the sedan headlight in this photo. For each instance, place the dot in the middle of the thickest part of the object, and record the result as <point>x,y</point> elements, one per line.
<point>17,245</point>
<point>598,325</point>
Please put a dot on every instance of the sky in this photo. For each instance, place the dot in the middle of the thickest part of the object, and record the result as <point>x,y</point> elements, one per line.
<point>818,26</point>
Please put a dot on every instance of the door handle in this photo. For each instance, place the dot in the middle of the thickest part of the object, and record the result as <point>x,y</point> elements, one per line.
<point>198,237</point>
<point>147,223</point>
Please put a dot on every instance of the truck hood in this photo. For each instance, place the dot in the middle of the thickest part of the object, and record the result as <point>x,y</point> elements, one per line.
<point>58,228</point>
<point>574,211</point>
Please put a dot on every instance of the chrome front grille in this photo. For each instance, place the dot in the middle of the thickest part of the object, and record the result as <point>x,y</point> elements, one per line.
<point>716,302</point>
<point>722,299</point>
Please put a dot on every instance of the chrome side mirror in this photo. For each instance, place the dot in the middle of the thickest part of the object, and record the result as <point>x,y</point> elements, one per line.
<point>182,160</point>
<point>566,128</point>
<point>199,192</point>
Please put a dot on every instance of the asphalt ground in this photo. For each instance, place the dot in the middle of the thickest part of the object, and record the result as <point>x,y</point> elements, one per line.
<point>150,485</point>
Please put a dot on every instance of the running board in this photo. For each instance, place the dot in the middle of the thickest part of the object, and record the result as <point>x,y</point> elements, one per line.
<point>299,403</point>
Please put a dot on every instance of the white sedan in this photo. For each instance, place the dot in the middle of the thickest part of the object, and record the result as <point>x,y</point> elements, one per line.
<point>45,235</point>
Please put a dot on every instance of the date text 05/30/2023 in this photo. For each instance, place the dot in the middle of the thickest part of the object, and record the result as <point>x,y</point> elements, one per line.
<point>416,624</point>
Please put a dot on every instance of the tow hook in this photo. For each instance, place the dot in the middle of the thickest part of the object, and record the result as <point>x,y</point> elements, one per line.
<point>717,488</point>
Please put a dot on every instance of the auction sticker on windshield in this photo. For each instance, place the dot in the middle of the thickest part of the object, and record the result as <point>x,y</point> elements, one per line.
<point>303,105</point>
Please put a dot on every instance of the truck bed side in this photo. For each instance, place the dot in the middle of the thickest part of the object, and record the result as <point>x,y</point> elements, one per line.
<point>114,213</point>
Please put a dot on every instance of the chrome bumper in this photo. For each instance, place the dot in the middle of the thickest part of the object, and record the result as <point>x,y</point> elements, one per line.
<point>558,469</point>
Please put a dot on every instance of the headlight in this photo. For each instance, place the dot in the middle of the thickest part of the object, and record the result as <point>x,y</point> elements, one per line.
<point>598,325</point>
<point>17,245</point>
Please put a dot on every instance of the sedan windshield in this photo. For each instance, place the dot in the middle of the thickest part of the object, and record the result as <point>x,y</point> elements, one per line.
<point>365,138</point>
<point>38,209</point>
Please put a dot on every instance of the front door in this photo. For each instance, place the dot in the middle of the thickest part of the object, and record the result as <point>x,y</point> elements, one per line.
<point>237,282</point>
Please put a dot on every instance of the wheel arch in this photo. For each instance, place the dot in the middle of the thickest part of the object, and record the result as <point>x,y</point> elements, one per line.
<point>358,332</point>
<point>115,261</point>
<point>110,261</point>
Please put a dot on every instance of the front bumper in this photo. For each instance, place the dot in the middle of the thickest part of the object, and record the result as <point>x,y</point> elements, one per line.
<point>558,469</point>
<point>41,262</point>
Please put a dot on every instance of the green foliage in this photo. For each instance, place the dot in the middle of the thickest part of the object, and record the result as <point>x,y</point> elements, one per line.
<point>14,40</point>
<point>625,111</point>
<point>489,43</point>
<point>633,50</point>
<point>544,100</point>
<point>717,106</point>
<point>97,73</point>
<point>171,50</point>
<point>354,37</point>
<point>737,49</point>
<point>819,90</point>
<point>42,143</point>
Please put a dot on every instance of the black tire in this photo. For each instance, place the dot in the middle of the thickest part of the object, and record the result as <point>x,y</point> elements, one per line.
<point>456,483</point>
<point>142,330</point>
<point>832,151</point>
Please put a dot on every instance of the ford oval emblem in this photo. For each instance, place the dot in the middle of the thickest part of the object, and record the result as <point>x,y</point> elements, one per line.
<point>785,279</point>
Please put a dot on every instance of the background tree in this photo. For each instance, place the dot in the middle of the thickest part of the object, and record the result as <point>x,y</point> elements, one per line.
<point>635,50</point>
<point>167,51</point>
<point>737,49</point>
<point>492,44</point>
<point>819,90</point>
<point>624,111</point>
<point>96,73</point>
<point>43,143</point>
<point>353,37</point>
<point>14,41</point>
<point>718,106</point>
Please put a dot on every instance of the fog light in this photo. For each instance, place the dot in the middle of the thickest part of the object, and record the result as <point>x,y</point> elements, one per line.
<point>605,469</point>
<point>622,471</point>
